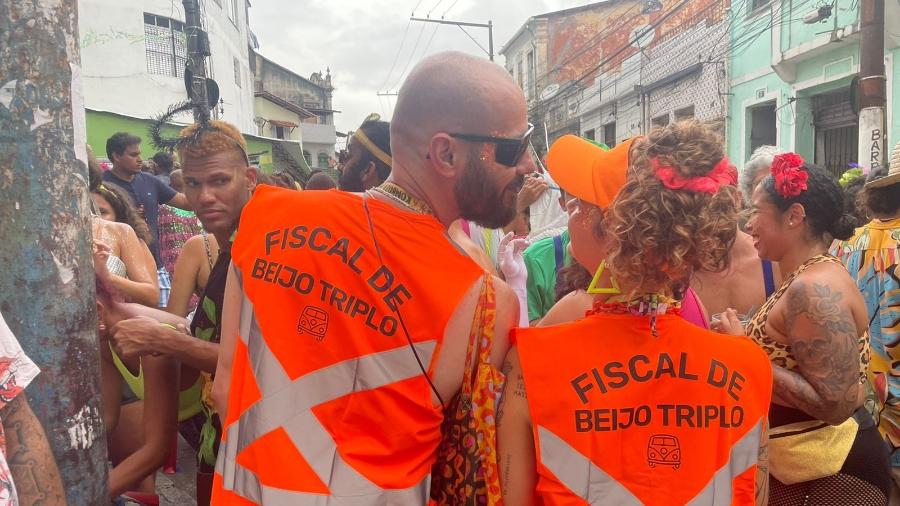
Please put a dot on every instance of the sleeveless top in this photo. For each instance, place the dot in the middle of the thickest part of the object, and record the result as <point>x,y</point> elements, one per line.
<point>780,353</point>
<point>116,266</point>
<point>188,400</point>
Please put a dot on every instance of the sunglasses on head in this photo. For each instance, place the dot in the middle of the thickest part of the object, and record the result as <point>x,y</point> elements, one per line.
<point>508,151</point>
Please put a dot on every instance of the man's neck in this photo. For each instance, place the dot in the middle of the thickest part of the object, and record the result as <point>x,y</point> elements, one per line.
<point>444,211</point>
<point>124,176</point>
<point>224,240</point>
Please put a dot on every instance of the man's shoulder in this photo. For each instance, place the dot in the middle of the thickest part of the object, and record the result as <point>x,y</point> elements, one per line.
<point>108,176</point>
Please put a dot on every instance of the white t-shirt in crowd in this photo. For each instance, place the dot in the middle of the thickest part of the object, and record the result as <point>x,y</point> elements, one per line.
<point>16,372</point>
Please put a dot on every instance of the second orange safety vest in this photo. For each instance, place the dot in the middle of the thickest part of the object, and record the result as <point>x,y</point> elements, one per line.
<point>621,417</point>
<point>328,402</point>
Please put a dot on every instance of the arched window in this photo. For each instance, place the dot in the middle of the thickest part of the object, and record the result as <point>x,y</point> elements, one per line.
<point>307,157</point>
<point>323,160</point>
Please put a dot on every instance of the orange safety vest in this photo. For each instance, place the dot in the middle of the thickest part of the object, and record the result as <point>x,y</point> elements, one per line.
<point>624,418</point>
<point>327,400</point>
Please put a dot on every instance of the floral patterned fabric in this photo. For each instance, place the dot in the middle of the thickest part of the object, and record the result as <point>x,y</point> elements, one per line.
<point>872,256</point>
<point>16,372</point>
<point>466,471</point>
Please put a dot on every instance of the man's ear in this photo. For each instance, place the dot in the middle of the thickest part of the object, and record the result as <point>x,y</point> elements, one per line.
<point>442,151</point>
<point>369,176</point>
<point>252,179</point>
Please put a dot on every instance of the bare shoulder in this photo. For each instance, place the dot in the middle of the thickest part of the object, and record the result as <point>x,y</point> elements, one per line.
<point>568,309</point>
<point>820,296</point>
<point>830,277</point>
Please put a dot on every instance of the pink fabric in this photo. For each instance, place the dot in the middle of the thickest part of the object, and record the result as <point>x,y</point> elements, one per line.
<point>692,309</point>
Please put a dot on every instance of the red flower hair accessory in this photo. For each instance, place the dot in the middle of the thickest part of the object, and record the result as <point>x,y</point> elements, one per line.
<point>723,174</point>
<point>790,178</point>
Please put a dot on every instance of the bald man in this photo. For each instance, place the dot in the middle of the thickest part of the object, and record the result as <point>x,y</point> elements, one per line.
<point>356,310</point>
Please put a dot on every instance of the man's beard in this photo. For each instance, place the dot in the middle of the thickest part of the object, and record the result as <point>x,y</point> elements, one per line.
<point>350,180</point>
<point>480,201</point>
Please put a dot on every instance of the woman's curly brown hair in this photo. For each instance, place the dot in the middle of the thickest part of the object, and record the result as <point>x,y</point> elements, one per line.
<point>660,237</point>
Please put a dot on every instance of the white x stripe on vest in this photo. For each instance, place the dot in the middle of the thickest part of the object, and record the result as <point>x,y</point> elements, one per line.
<point>586,480</point>
<point>287,404</point>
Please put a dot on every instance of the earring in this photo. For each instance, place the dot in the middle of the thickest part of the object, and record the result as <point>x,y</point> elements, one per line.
<point>611,290</point>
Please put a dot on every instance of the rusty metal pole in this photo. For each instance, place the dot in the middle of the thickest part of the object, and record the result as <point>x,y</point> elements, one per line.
<point>872,84</point>
<point>47,278</point>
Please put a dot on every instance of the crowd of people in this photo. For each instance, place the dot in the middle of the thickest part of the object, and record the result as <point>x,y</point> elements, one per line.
<point>463,321</point>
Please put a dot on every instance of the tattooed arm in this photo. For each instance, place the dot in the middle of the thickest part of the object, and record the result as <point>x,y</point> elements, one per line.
<point>515,440</point>
<point>762,467</point>
<point>823,337</point>
<point>31,462</point>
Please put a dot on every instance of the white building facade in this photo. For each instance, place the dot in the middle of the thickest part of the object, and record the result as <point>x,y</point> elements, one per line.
<point>133,55</point>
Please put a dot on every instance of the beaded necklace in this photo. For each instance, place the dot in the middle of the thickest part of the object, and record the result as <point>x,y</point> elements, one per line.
<point>398,194</point>
<point>651,305</point>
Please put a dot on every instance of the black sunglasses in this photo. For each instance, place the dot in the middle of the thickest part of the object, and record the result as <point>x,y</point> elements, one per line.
<point>508,151</point>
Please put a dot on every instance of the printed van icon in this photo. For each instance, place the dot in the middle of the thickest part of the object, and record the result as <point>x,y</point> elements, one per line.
<point>664,450</point>
<point>313,320</point>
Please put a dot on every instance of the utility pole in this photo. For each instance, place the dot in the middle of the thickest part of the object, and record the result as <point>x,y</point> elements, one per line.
<point>872,84</point>
<point>198,50</point>
<point>47,281</point>
<point>489,25</point>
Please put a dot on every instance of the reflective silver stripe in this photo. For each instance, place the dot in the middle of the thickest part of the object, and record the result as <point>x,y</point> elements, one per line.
<point>579,474</point>
<point>586,480</point>
<point>416,495</point>
<point>288,404</point>
<point>744,454</point>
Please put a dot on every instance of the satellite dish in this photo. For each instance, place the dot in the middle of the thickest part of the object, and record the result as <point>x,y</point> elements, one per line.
<point>550,91</point>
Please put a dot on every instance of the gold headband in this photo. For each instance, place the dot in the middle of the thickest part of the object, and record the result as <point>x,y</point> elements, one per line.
<point>372,148</point>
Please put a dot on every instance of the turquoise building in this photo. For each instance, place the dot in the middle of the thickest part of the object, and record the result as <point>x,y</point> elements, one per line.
<point>792,66</point>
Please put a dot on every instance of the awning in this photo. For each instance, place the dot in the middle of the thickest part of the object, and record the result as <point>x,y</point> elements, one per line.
<point>283,124</point>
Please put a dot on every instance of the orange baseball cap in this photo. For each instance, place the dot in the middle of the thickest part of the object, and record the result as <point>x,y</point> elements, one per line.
<point>587,171</point>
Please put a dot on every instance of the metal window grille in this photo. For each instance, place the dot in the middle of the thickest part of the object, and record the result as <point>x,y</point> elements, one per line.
<point>684,113</point>
<point>837,130</point>
<point>165,45</point>
<point>323,160</point>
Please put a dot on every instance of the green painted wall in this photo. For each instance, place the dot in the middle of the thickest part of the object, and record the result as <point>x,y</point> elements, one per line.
<point>102,125</point>
<point>752,56</point>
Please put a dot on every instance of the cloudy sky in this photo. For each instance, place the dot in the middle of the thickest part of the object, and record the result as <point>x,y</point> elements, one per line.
<point>359,40</point>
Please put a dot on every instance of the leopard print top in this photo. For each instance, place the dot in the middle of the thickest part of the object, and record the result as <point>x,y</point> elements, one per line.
<point>780,353</point>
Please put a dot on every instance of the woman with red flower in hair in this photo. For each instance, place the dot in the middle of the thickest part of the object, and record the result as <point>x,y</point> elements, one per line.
<point>823,445</point>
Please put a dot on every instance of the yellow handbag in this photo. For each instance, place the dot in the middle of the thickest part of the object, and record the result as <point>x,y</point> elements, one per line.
<point>806,451</point>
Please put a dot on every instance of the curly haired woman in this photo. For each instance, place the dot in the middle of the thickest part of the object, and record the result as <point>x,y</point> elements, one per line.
<point>633,404</point>
<point>825,448</point>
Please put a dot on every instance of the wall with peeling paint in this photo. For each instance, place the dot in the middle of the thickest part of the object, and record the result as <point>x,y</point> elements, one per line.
<point>613,66</point>
<point>47,280</point>
<point>785,63</point>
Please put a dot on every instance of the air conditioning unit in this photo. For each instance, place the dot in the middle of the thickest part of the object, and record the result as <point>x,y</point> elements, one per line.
<point>760,93</point>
